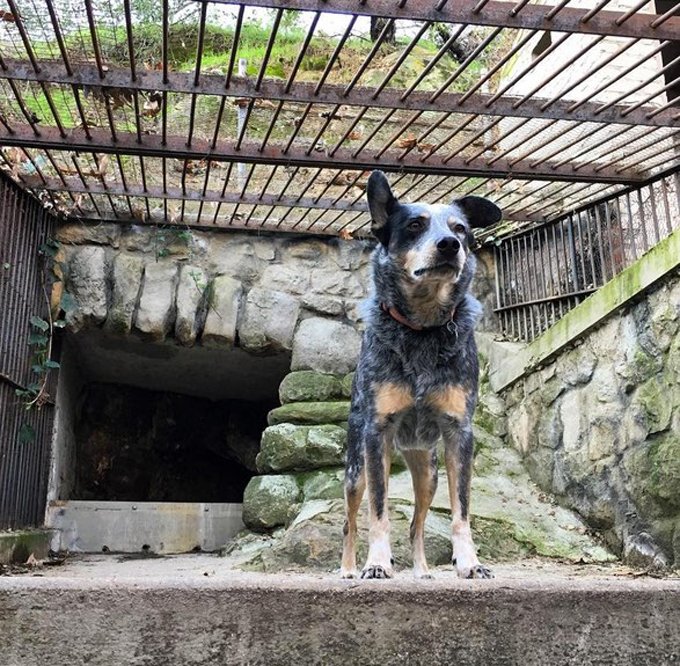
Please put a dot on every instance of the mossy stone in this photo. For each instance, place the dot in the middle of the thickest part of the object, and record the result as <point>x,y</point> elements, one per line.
<point>664,480</point>
<point>654,399</point>
<point>267,501</point>
<point>310,413</point>
<point>347,382</point>
<point>288,447</point>
<point>326,484</point>
<point>309,386</point>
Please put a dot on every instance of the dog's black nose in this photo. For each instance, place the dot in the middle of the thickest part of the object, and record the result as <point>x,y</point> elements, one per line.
<point>448,246</point>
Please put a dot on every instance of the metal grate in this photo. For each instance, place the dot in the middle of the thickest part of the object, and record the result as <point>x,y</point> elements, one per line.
<point>541,107</point>
<point>24,434</point>
<point>543,272</point>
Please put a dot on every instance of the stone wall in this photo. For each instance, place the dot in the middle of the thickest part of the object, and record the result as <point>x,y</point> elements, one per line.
<point>215,289</point>
<point>263,293</point>
<point>600,427</point>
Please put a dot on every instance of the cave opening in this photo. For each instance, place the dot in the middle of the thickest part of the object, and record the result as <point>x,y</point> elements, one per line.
<point>154,443</point>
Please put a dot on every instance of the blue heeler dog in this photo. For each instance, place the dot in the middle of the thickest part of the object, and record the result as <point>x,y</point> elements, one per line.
<point>416,379</point>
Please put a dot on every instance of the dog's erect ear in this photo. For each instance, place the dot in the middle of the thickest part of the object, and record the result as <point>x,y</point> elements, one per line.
<point>381,204</point>
<point>479,211</point>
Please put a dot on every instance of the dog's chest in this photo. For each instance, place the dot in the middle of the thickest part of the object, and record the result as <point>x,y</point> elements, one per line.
<point>417,413</point>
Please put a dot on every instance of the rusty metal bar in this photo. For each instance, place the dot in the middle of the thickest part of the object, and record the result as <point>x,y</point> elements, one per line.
<point>336,54</point>
<point>465,64</point>
<point>243,87</point>
<point>547,299</point>
<point>175,147</point>
<point>494,13</point>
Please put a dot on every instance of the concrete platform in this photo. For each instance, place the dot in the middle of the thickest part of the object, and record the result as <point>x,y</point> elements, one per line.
<point>197,610</point>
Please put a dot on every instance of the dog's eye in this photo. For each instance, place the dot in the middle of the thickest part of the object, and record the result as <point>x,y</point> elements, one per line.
<point>459,228</point>
<point>415,225</point>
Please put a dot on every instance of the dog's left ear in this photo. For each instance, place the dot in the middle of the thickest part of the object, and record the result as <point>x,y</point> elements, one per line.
<point>381,204</point>
<point>480,212</point>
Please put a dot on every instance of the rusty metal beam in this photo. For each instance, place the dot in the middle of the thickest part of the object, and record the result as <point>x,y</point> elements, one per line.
<point>500,14</point>
<point>191,221</point>
<point>186,194</point>
<point>175,147</point>
<point>87,76</point>
<point>211,196</point>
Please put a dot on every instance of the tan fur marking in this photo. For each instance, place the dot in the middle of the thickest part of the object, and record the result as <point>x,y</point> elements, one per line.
<point>391,398</point>
<point>410,260</point>
<point>425,216</point>
<point>451,400</point>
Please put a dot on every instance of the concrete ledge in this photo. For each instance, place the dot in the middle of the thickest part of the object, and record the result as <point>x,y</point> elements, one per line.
<point>17,546</point>
<point>195,612</point>
<point>631,282</point>
<point>129,527</point>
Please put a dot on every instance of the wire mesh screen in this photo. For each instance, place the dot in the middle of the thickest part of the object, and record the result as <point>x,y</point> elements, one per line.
<point>544,272</point>
<point>24,433</point>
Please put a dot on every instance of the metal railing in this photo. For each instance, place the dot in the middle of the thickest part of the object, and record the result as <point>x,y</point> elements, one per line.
<point>24,434</point>
<point>544,272</point>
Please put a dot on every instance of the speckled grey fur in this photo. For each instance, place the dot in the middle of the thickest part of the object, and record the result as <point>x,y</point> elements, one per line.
<point>411,273</point>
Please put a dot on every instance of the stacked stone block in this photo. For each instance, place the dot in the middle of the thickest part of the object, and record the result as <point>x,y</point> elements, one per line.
<point>302,451</point>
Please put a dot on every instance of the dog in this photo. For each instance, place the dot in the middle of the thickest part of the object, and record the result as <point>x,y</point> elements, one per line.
<point>417,375</point>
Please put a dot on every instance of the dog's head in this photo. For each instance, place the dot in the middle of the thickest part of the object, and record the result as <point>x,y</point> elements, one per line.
<point>426,241</point>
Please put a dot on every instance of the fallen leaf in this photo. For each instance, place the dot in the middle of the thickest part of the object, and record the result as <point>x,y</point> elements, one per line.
<point>408,141</point>
<point>345,234</point>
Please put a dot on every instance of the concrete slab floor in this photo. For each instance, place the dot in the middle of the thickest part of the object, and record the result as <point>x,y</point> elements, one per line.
<point>196,609</point>
<point>201,569</point>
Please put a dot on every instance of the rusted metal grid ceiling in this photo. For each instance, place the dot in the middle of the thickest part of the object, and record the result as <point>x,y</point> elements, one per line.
<point>109,112</point>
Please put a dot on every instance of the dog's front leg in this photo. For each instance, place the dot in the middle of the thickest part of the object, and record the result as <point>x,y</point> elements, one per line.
<point>458,455</point>
<point>377,452</point>
<point>355,484</point>
<point>423,467</point>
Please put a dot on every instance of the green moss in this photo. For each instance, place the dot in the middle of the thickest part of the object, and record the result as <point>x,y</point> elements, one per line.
<point>664,479</point>
<point>310,413</point>
<point>286,446</point>
<point>309,386</point>
<point>654,399</point>
<point>496,541</point>
<point>17,547</point>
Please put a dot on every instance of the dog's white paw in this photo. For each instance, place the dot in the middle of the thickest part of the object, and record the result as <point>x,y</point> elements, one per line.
<point>477,571</point>
<point>376,571</point>
<point>423,575</point>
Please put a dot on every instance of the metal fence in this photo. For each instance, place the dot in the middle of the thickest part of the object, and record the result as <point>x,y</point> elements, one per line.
<point>544,272</point>
<point>24,433</point>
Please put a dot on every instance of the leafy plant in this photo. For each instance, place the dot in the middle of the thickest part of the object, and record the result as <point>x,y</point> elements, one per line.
<point>40,339</point>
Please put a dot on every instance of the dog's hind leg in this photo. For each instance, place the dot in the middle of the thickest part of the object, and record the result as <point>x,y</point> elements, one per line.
<point>378,457</point>
<point>355,484</point>
<point>458,452</point>
<point>423,467</point>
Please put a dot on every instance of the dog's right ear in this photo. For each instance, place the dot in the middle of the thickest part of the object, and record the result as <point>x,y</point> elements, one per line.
<point>381,204</point>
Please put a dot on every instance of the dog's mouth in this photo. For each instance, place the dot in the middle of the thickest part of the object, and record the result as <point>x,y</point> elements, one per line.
<point>443,267</point>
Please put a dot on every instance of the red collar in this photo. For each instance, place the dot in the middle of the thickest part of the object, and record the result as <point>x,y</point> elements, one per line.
<point>397,316</point>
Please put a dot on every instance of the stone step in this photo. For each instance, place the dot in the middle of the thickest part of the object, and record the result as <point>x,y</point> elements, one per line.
<point>310,413</point>
<point>195,610</point>
<point>17,546</point>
